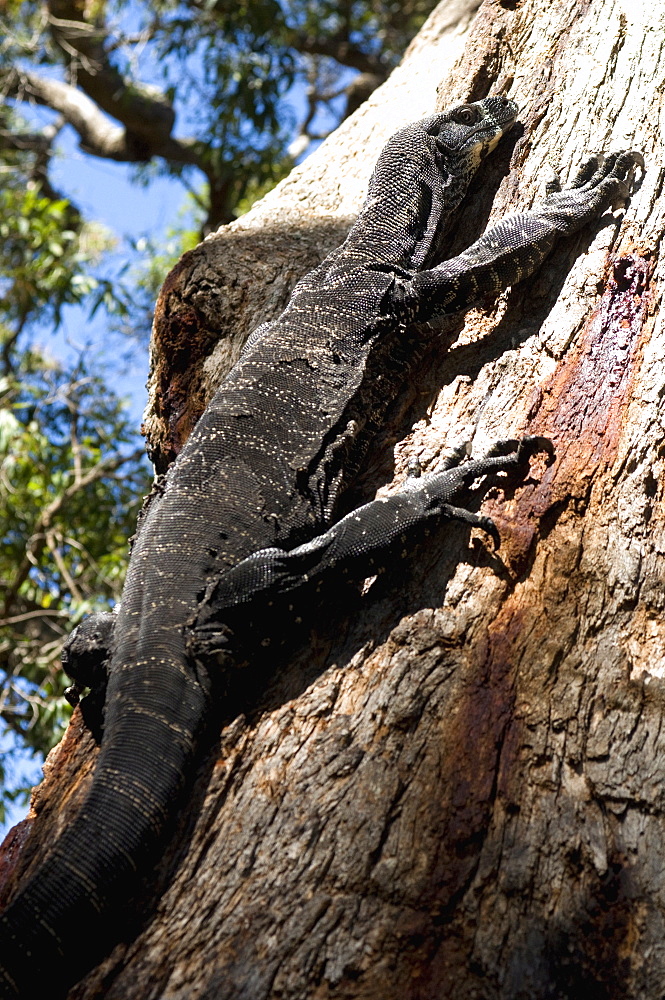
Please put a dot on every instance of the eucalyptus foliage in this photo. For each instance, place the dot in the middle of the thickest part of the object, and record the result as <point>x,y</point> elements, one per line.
<point>71,478</point>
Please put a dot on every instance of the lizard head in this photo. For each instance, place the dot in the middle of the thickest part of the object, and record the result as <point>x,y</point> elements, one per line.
<point>463,136</point>
<point>454,144</point>
<point>423,174</point>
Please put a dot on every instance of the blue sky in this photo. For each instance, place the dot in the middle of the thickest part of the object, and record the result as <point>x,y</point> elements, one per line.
<point>104,191</point>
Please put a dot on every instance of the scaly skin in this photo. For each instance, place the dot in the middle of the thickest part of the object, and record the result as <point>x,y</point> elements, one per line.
<point>265,467</point>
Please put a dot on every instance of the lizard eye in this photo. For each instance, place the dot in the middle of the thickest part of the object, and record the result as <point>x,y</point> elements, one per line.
<point>466,115</point>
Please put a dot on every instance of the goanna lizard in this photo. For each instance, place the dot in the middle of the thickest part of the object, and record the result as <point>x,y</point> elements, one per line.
<point>250,507</point>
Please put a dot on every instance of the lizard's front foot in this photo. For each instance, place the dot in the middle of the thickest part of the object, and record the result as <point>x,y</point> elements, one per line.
<point>598,184</point>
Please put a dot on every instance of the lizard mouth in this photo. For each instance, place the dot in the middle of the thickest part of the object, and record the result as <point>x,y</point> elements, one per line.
<point>502,109</point>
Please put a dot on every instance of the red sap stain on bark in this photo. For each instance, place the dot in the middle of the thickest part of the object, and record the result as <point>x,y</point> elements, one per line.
<point>583,406</point>
<point>476,733</point>
<point>475,756</point>
<point>10,852</point>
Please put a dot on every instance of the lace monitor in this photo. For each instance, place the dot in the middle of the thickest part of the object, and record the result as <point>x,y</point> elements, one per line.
<point>249,509</point>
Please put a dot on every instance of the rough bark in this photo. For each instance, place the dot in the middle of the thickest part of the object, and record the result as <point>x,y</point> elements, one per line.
<point>451,785</point>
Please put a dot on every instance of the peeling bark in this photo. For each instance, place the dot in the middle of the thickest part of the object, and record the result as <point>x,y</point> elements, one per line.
<point>452,784</point>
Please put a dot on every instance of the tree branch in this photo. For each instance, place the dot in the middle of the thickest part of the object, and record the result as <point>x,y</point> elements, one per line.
<point>339,48</point>
<point>28,615</point>
<point>98,135</point>
<point>143,110</point>
<point>52,545</point>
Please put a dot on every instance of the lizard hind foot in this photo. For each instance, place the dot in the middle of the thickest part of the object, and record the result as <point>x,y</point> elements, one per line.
<point>509,455</point>
<point>481,521</point>
<point>523,447</point>
<point>505,446</point>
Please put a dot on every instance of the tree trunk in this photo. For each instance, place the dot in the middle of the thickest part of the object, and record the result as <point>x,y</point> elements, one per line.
<point>452,787</point>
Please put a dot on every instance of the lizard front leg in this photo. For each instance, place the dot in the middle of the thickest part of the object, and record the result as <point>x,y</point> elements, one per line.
<point>358,545</point>
<point>516,246</point>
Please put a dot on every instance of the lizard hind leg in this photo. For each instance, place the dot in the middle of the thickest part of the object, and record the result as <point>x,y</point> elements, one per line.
<point>355,547</point>
<point>86,653</point>
<point>86,656</point>
<point>481,521</point>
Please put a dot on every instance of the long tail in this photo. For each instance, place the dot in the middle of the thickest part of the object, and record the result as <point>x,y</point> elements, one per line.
<point>56,928</point>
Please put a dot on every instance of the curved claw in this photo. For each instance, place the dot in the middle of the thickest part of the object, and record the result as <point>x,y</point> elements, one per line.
<point>488,525</point>
<point>531,444</point>
<point>626,160</point>
<point>506,446</point>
